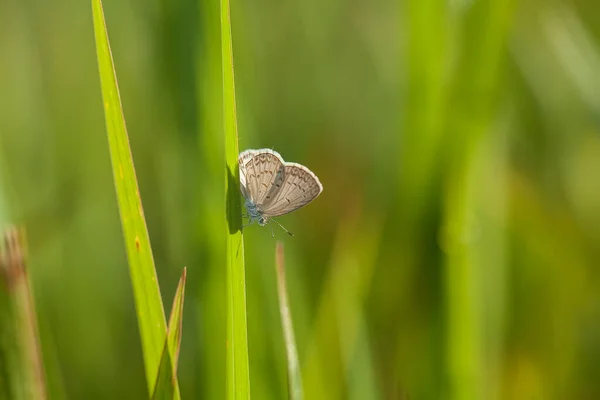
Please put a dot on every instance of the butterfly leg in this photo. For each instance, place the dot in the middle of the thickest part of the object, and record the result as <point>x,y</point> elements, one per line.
<point>248,224</point>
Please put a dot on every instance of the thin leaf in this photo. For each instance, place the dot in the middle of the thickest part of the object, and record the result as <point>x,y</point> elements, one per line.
<point>212,303</point>
<point>165,381</point>
<point>166,387</point>
<point>293,365</point>
<point>176,319</point>
<point>238,376</point>
<point>150,313</point>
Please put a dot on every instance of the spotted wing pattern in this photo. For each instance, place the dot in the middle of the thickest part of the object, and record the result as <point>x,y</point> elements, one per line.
<point>298,188</point>
<point>243,158</point>
<point>261,174</point>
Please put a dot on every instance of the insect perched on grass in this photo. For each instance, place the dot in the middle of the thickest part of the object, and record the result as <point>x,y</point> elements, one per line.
<point>273,187</point>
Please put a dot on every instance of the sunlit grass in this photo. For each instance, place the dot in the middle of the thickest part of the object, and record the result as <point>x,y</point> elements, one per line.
<point>238,375</point>
<point>212,296</point>
<point>148,302</point>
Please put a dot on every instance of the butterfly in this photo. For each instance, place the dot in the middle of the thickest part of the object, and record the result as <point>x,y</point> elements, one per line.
<point>272,187</point>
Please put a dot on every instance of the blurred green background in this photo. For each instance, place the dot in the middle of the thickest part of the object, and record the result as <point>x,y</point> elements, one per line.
<point>453,254</point>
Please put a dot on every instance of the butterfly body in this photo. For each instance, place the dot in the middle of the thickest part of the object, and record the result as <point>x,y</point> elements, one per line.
<point>255,214</point>
<point>272,187</point>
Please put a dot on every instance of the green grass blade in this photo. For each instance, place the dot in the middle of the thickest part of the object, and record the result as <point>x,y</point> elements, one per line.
<point>176,319</point>
<point>165,381</point>
<point>212,304</point>
<point>294,376</point>
<point>238,376</point>
<point>166,387</point>
<point>148,303</point>
<point>21,365</point>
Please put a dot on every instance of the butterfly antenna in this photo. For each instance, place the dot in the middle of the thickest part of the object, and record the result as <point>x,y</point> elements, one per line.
<point>281,226</point>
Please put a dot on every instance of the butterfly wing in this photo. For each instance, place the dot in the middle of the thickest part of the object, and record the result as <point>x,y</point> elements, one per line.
<point>261,171</point>
<point>243,158</point>
<point>298,188</point>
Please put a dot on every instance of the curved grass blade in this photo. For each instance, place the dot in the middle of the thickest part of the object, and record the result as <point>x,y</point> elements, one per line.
<point>21,366</point>
<point>293,365</point>
<point>238,376</point>
<point>166,387</point>
<point>148,303</point>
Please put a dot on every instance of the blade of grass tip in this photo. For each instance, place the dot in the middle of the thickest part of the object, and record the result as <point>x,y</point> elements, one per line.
<point>176,319</point>
<point>293,365</point>
<point>165,382</point>
<point>148,303</point>
<point>21,367</point>
<point>238,375</point>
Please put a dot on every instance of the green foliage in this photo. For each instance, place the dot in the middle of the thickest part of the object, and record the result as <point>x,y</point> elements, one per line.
<point>453,253</point>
